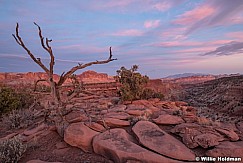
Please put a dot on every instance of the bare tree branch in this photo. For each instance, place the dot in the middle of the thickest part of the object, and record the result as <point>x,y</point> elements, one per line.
<point>18,39</point>
<point>47,47</point>
<point>40,80</point>
<point>81,66</point>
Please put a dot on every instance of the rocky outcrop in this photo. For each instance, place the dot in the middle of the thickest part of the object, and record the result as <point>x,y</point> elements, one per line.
<point>118,146</point>
<point>227,149</point>
<point>166,119</point>
<point>79,135</point>
<point>194,135</point>
<point>152,137</point>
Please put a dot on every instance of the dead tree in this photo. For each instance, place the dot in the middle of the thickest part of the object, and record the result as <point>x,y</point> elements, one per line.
<point>55,86</point>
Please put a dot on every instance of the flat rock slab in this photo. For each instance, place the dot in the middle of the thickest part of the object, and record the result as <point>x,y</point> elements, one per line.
<point>113,122</point>
<point>79,135</point>
<point>152,137</point>
<point>95,126</point>
<point>76,116</point>
<point>118,115</point>
<point>228,133</point>
<point>117,145</point>
<point>166,119</point>
<point>118,108</point>
<point>227,149</point>
<point>35,130</point>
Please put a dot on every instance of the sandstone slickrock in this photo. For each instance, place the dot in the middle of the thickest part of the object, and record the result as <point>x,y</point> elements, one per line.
<point>95,126</point>
<point>228,133</point>
<point>76,116</point>
<point>118,108</point>
<point>118,115</point>
<point>151,136</point>
<point>35,130</point>
<point>146,103</point>
<point>207,140</point>
<point>194,135</point>
<point>79,135</point>
<point>135,107</point>
<point>166,119</point>
<point>118,146</point>
<point>113,122</point>
<point>227,149</point>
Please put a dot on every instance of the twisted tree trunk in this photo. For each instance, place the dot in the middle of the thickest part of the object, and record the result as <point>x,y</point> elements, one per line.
<point>55,87</point>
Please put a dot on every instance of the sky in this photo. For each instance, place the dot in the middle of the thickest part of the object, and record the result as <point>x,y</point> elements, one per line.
<point>163,37</point>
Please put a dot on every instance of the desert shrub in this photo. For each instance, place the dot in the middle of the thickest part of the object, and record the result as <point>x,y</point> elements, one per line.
<point>133,85</point>
<point>20,118</point>
<point>149,93</point>
<point>12,100</point>
<point>11,150</point>
<point>43,88</point>
<point>9,100</point>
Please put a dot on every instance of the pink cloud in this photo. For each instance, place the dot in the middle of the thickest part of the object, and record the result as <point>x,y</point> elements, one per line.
<point>235,35</point>
<point>129,32</point>
<point>213,13</point>
<point>190,43</point>
<point>162,6</point>
<point>195,50</point>
<point>177,44</point>
<point>151,23</point>
<point>194,15</point>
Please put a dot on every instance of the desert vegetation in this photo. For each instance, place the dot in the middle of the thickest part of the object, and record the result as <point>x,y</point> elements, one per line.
<point>133,85</point>
<point>72,124</point>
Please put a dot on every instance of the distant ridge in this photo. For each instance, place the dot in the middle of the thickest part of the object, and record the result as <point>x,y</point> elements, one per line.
<point>176,76</point>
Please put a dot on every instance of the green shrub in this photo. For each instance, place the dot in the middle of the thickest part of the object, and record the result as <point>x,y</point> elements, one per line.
<point>149,93</point>
<point>20,118</point>
<point>11,150</point>
<point>9,100</point>
<point>12,100</point>
<point>133,85</point>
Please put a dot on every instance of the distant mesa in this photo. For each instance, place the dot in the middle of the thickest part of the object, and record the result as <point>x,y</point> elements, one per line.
<point>31,77</point>
<point>194,78</point>
<point>176,76</point>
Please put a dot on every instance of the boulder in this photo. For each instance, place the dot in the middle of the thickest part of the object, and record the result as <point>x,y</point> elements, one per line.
<point>194,135</point>
<point>152,137</point>
<point>136,112</point>
<point>166,119</point>
<point>207,140</point>
<point>117,145</point>
<point>146,103</point>
<point>228,133</point>
<point>113,122</point>
<point>227,149</point>
<point>79,135</point>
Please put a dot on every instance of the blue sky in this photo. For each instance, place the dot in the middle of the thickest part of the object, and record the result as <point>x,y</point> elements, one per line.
<point>163,37</point>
